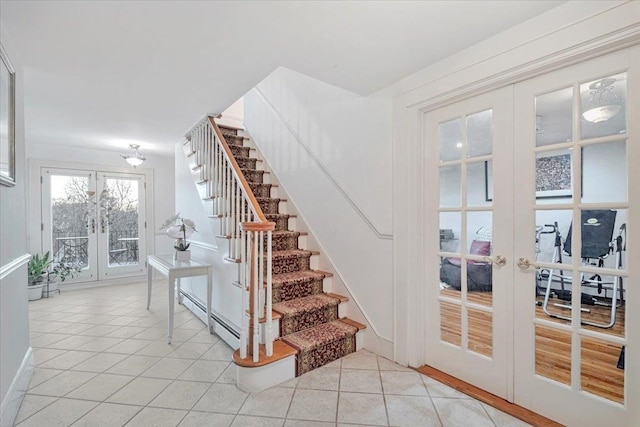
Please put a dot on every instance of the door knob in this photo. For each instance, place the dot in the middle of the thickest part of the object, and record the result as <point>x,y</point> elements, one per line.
<point>524,264</point>
<point>498,260</point>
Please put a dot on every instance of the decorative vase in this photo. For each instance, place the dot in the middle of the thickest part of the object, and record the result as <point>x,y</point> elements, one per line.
<point>34,291</point>
<point>183,256</point>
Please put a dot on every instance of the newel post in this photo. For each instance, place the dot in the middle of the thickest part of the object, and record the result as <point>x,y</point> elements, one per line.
<point>256,270</point>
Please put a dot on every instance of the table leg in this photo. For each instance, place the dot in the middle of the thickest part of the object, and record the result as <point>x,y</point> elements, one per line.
<point>172,285</point>
<point>149,280</point>
<point>178,291</point>
<point>209,295</point>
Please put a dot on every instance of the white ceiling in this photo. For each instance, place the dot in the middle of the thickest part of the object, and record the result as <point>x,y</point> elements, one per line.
<point>104,74</point>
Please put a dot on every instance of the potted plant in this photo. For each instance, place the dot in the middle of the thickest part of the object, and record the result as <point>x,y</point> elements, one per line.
<point>37,269</point>
<point>180,228</point>
<point>58,270</point>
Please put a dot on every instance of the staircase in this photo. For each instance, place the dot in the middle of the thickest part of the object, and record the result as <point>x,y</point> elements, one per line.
<point>308,317</point>
<point>293,297</point>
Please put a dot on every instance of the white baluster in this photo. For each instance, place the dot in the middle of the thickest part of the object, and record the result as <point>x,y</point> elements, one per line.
<point>269,320</point>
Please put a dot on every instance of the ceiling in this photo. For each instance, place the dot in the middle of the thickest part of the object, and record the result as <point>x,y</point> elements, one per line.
<point>106,74</point>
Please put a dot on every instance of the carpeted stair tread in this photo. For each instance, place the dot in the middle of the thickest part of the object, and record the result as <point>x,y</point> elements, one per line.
<point>297,284</point>
<point>291,253</point>
<point>299,306</point>
<point>322,334</point>
<point>298,277</point>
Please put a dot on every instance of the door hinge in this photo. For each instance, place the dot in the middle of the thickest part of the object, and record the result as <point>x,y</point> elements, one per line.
<point>41,180</point>
<point>41,227</point>
<point>145,224</point>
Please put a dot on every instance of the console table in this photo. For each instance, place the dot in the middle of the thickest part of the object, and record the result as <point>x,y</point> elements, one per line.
<point>174,271</point>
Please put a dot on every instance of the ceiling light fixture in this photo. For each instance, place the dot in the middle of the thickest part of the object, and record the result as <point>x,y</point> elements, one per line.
<point>603,102</point>
<point>134,157</point>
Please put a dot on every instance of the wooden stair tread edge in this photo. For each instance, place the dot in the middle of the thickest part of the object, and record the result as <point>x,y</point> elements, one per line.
<point>223,236</point>
<point>232,260</point>
<point>296,275</point>
<point>281,350</point>
<point>325,273</point>
<point>274,316</point>
<point>355,324</point>
<point>339,297</point>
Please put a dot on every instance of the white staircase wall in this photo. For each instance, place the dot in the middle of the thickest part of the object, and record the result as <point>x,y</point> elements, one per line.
<point>331,152</point>
<point>206,247</point>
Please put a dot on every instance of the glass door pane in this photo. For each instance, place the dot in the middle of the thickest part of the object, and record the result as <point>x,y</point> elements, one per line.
<point>69,220</point>
<point>121,223</point>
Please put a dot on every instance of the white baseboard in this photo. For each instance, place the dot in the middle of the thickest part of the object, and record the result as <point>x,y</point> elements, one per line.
<point>219,330</point>
<point>18,388</point>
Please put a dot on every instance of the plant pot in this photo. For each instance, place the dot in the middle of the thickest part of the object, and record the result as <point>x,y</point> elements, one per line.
<point>183,256</point>
<point>50,290</point>
<point>34,291</point>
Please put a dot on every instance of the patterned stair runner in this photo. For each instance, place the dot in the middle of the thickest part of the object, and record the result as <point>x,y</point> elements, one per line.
<point>309,320</point>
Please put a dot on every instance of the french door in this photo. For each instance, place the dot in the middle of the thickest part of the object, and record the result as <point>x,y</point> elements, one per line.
<point>95,220</point>
<point>537,210</point>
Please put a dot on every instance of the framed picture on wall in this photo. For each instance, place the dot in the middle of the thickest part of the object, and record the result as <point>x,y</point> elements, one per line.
<point>554,177</point>
<point>7,121</point>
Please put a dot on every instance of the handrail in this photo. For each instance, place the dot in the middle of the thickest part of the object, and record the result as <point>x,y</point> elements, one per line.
<point>243,223</point>
<point>237,172</point>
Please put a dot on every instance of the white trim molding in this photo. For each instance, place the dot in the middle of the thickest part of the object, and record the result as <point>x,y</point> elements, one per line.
<point>12,266</point>
<point>321,166</point>
<point>18,388</point>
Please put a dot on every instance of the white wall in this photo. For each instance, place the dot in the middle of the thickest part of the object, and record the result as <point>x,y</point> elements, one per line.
<point>14,316</point>
<point>330,151</point>
<point>163,180</point>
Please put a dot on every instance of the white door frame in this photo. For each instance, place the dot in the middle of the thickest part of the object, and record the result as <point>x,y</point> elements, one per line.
<point>34,201</point>
<point>593,30</point>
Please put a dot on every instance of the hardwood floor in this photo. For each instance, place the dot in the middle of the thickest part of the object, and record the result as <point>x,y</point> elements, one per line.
<point>599,374</point>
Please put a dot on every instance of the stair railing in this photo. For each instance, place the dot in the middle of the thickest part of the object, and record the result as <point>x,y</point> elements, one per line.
<point>243,223</point>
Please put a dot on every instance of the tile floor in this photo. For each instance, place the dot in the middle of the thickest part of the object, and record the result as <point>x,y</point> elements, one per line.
<point>102,360</point>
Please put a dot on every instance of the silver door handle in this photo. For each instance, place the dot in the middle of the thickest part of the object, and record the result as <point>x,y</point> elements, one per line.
<point>525,264</point>
<point>498,260</point>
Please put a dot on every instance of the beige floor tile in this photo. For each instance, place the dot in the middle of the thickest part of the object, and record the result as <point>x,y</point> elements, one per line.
<point>45,326</point>
<point>129,346</point>
<point>292,383</point>
<point>68,359</point>
<point>221,398</point>
<point>219,351</point>
<point>249,421</point>
<point>205,337</point>
<point>303,423</point>
<point>405,383</point>
<point>71,343</point>
<point>182,335</point>
<point>63,383</point>
<point>273,402</point>
<point>158,348</point>
<point>503,420</point>
<point>108,415</point>
<point>147,322</point>
<point>229,376</point>
<point>133,365</point>
<point>157,417</point>
<point>61,413</point>
<point>314,405</point>
<point>140,391</point>
<point>125,332</point>
<point>362,408</point>
<point>437,389</point>
<point>45,340</point>
<point>388,365</point>
<point>74,328</point>
<point>206,419</point>
<point>32,404</point>
<point>42,355</point>
<point>99,330</point>
<point>411,411</point>
<point>204,370</point>
<point>122,320</point>
<point>360,360</point>
<point>168,368</point>
<point>361,381</point>
<point>41,375</point>
<point>335,364</point>
<point>100,344</point>
<point>461,413</point>
<point>100,362</point>
<point>180,395</point>
<point>320,379</point>
<point>100,387</point>
<point>189,350</point>
<point>152,334</point>
<point>196,324</point>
